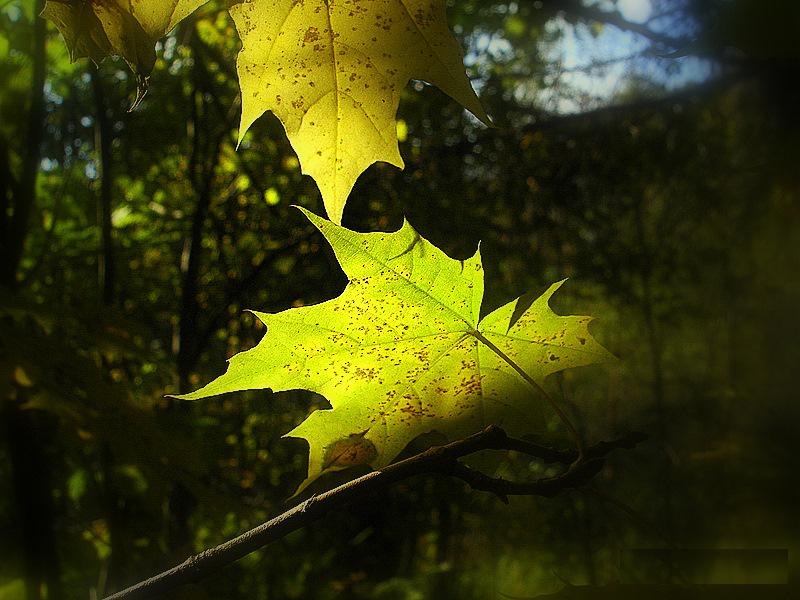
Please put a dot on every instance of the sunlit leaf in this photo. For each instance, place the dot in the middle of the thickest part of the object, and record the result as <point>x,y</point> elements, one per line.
<point>332,71</point>
<point>403,352</point>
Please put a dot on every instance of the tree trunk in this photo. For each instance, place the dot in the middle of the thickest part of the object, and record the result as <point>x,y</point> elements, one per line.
<point>28,431</point>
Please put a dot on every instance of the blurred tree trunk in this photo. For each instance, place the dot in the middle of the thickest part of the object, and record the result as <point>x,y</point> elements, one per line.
<point>104,137</point>
<point>656,352</point>
<point>17,214</point>
<point>205,140</point>
<point>106,273</point>
<point>28,431</point>
<point>444,583</point>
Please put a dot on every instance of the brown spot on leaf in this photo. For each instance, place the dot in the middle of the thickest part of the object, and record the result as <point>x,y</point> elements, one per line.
<point>312,35</point>
<point>349,452</point>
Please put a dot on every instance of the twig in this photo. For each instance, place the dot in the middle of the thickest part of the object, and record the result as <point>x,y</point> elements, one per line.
<point>440,459</point>
<point>641,106</point>
<point>565,457</point>
<point>578,9</point>
<point>577,475</point>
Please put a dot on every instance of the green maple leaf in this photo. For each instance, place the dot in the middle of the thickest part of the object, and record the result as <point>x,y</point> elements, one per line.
<point>332,72</point>
<point>402,351</point>
<point>127,28</point>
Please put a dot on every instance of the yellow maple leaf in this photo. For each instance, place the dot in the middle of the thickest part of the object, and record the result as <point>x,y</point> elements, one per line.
<point>127,28</point>
<point>332,72</point>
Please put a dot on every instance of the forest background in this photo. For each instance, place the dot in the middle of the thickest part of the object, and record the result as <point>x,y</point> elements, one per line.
<point>649,155</point>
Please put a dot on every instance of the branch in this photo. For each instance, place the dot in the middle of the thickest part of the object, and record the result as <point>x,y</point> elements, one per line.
<point>566,457</point>
<point>440,459</point>
<point>592,13</point>
<point>594,65</point>
<point>576,476</point>
<point>640,106</point>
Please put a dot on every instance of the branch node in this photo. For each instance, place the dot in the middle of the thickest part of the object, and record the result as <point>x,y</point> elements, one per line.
<point>308,504</point>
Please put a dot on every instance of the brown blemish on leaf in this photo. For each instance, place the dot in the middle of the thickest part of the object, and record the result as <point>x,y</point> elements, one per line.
<point>351,451</point>
<point>312,35</point>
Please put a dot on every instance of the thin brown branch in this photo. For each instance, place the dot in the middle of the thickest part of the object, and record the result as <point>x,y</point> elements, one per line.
<point>440,459</point>
<point>595,64</point>
<point>566,457</point>
<point>577,475</point>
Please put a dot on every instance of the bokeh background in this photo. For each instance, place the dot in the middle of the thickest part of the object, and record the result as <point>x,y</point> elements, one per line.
<point>647,150</point>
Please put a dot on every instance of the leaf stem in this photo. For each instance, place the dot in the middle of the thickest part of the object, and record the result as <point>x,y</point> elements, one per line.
<point>558,410</point>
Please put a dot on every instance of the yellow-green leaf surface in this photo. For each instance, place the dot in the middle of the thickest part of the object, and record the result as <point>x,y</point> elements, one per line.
<point>402,352</point>
<point>332,72</point>
<point>127,28</point>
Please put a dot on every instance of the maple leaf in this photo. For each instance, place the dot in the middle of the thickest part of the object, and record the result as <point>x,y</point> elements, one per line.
<point>332,71</point>
<point>127,28</point>
<point>402,351</point>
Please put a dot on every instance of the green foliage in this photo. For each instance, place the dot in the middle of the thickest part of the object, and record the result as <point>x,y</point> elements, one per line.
<point>403,352</point>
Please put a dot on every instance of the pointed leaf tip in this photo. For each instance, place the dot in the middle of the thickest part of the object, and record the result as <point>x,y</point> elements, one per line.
<point>314,78</point>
